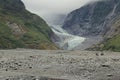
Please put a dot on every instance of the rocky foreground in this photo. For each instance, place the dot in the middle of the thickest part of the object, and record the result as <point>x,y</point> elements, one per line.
<point>24,64</point>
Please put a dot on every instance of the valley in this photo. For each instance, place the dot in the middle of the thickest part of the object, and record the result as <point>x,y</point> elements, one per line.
<point>83,45</point>
<point>94,26</point>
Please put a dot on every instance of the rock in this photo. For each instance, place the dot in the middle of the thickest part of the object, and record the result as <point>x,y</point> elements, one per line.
<point>102,54</point>
<point>109,75</point>
<point>106,66</point>
<point>59,65</point>
<point>92,19</point>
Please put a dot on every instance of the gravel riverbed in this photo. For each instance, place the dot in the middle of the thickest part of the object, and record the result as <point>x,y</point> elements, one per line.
<point>23,64</point>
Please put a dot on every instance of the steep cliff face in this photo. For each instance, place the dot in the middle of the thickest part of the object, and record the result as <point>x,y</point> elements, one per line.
<point>101,18</point>
<point>21,29</point>
<point>93,19</point>
<point>111,38</point>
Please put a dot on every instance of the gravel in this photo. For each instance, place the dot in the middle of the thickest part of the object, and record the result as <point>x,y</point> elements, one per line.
<point>23,64</point>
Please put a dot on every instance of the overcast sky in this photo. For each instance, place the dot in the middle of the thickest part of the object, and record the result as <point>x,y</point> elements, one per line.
<point>48,8</point>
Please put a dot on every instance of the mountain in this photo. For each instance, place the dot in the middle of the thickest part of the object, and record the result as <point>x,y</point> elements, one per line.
<point>21,29</point>
<point>100,18</point>
<point>111,39</point>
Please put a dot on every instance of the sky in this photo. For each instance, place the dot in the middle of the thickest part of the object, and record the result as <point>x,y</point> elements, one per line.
<point>49,9</point>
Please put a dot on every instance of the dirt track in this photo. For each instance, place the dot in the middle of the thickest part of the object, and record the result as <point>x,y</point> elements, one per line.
<point>24,64</point>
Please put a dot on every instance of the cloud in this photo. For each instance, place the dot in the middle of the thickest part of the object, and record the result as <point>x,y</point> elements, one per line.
<point>54,6</point>
<point>48,8</point>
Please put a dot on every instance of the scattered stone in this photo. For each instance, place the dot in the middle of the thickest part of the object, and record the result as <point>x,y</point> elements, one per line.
<point>107,66</point>
<point>6,69</point>
<point>30,67</point>
<point>97,54</point>
<point>74,65</point>
<point>102,54</point>
<point>109,75</point>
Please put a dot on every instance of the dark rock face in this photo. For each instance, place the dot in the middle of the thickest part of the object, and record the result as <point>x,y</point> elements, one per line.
<point>93,19</point>
<point>12,5</point>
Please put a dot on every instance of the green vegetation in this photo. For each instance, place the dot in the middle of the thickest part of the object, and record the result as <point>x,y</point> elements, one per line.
<point>37,33</point>
<point>6,39</point>
<point>112,44</point>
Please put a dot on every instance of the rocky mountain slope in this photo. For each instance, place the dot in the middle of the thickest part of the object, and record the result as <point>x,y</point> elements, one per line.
<point>101,18</point>
<point>21,29</point>
<point>111,38</point>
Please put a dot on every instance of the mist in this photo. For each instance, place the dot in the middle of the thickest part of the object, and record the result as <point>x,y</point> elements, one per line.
<point>52,11</point>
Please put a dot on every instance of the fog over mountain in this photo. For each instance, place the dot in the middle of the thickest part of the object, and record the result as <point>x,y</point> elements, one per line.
<point>51,10</point>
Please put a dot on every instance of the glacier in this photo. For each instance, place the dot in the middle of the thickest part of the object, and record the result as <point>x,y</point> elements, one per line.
<point>66,40</point>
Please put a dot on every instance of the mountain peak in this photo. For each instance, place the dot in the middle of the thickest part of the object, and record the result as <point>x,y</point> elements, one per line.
<point>12,5</point>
